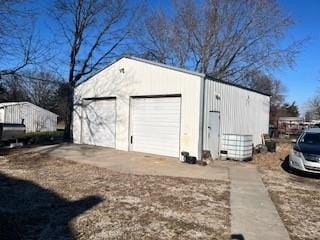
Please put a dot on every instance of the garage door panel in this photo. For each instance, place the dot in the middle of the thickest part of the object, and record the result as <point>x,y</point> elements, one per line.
<point>98,123</point>
<point>156,125</point>
<point>161,129</point>
<point>154,145</point>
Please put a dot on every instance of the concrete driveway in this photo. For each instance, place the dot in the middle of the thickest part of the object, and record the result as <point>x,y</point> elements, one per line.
<point>253,214</point>
<point>133,162</point>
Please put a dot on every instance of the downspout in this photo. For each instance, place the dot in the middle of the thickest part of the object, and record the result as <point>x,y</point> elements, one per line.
<point>202,109</point>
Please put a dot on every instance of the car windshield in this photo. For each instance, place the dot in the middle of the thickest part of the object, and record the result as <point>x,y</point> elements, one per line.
<point>310,138</point>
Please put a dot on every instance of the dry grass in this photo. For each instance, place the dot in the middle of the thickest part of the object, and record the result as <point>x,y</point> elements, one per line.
<point>47,198</point>
<point>296,197</point>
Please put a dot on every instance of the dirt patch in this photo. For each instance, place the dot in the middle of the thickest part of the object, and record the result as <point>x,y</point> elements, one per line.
<point>296,197</point>
<point>272,160</point>
<point>49,198</point>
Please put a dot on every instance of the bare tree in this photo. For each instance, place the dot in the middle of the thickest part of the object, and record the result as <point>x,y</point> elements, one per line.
<point>96,31</point>
<point>224,38</point>
<point>313,106</point>
<point>19,46</point>
<point>268,84</point>
<point>14,89</point>
<point>60,103</point>
<point>41,87</point>
<point>163,40</point>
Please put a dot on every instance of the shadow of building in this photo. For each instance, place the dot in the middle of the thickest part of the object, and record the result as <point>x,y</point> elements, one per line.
<point>29,211</point>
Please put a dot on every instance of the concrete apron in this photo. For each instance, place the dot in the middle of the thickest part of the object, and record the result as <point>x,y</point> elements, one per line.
<point>133,162</point>
<point>253,214</point>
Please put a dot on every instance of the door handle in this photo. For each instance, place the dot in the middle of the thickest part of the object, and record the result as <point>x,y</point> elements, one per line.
<point>209,127</point>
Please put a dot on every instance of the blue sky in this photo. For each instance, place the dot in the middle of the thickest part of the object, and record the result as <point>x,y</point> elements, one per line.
<point>303,80</point>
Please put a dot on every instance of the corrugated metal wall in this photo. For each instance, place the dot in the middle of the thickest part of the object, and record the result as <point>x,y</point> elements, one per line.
<point>241,111</point>
<point>1,115</point>
<point>35,118</point>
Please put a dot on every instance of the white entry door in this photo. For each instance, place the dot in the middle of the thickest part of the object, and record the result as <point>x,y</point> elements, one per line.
<point>99,122</point>
<point>155,125</point>
<point>214,133</point>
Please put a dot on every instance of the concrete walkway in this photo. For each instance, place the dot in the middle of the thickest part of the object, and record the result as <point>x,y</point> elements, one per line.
<point>253,214</point>
<point>133,162</point>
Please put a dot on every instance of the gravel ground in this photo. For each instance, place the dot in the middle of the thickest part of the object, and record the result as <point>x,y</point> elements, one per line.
<point>48,198</point>
<point>296,196</point>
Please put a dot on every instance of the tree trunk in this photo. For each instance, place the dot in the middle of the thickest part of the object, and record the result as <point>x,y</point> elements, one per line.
<point>68,136</point>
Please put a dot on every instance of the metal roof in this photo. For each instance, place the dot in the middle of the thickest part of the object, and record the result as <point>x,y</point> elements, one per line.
<point>290,119</point>
<point>312,130</point>
<point>5,104</point>
<point>236,85</point>
<point>206,76</point>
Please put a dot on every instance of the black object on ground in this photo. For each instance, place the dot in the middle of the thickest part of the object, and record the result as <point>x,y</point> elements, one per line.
<point>185,156</point>
<point>271,146</point>
<point>191,160</point>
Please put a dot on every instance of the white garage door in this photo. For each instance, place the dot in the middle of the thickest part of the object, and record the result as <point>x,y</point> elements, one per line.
<point>155,125</point>
<point>99,122</point>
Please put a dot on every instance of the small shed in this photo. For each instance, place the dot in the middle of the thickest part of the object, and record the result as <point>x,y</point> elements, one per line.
<point>143,106</point>
<point>35,118</point>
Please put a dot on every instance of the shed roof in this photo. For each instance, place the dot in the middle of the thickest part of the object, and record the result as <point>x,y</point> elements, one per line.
<point>206,76</point>
<point>291,119</point>
<point>312,130</point>
<point>6,104</point>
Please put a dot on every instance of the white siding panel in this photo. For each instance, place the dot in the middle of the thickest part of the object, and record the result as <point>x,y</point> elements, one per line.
<point>241,111</point>
<point>35,118</point>
<point>98,123</point>
<point>1,115</point>
<point>156,125</point>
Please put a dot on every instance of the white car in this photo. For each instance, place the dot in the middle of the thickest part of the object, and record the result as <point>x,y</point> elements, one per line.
<point>305,155</point>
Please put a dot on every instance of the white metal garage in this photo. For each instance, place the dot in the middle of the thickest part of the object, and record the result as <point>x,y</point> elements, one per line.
<point>139,105</point>
<point>155,125</point>
<point>36,119</point>
<point>99,122</point>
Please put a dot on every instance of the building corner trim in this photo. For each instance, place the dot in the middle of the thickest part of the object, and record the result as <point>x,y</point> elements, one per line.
<point>201,116</point>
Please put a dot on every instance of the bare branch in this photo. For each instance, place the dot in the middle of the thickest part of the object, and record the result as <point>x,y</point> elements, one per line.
<point>94,30</point>
<point>224,38</point>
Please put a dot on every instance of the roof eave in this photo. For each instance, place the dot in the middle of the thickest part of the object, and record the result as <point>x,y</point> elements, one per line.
<point>236,85</point>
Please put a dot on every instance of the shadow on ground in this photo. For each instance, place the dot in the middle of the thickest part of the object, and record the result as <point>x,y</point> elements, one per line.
<point>29,211</point>
<point>286,167</point>
<point>6,150</point>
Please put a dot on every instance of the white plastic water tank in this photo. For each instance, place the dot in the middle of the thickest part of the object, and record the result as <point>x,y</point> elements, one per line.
<point>236,147</point>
